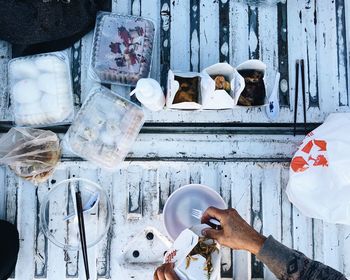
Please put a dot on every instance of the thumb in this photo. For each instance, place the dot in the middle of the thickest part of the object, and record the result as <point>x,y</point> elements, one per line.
<point>212,233</point>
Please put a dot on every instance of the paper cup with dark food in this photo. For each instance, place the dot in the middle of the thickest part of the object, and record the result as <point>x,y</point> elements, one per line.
<point>194,256</point>
<point>254,93</point>
<point>184,90</point>
<point>221,86</point>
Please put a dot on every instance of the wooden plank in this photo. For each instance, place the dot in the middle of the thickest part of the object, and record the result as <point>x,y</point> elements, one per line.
<point>119,202</point>
<point>5,56</point>
<point>241,194</point>
<point>302,233</point>
<point>331,245</point>
<point>347,36</point>
<point>271,197</point>
<point>194,35</point>
<point>256,205</point>
<point>165,41</point>
<point>224,30</point>
<point>41,242</point>
<point>150,10</point>
<point>3,192</point>
<point>135,192</point>
<point>57,258</point>
<point>283,63</point>
<point>103,261</point>
<point>208,35</point>
<point>71,257</point>
<point>225,190</point>
<point>26,228</point>
<point>238,33</point>
<point>344,245</point>
<point>214,146</point>
<point>89,174</point>
<point>253,35</point>
<point>180,36</point>
<point>286,210</point>
<point>327,56</point>
<point>343,57</point>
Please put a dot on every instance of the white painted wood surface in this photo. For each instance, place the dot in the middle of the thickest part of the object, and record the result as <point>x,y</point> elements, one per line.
<point>138,192</point>
<point>189,37</point>
<point>249,171</point>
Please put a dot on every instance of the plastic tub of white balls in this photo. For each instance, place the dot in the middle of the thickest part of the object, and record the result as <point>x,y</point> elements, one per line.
<point>105,128</point>
<point>41,90</point>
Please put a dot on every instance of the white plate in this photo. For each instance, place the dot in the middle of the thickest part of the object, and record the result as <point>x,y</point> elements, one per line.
<point>178,207</point>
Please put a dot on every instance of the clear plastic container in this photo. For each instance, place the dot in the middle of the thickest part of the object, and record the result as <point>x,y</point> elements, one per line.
<point>41,89</point>
<point>105,128</point>
<point>58,219</point>
<point>122,49</point>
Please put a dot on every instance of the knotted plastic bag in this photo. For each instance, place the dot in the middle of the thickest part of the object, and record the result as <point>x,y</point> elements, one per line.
<point>30,153</point>
<point>319,180</point>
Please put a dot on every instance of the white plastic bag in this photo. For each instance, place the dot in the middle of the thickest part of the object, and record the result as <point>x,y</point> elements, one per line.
<point>319,183</point>
<point>31,153</point>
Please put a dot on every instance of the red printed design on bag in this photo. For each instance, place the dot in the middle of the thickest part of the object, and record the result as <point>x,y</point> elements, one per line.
<point>170,256</point>
<point>312,154</point>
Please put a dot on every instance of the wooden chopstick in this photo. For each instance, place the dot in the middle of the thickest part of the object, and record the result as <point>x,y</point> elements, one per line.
<point>296,95</point>
<point>82,232</point>
<point>303,89</point>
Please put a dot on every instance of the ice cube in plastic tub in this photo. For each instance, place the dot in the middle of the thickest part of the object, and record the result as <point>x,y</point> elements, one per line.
<point>122,49</point>
<point>105,128</point>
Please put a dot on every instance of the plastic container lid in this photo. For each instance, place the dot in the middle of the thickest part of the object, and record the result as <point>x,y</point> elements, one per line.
<point>58,219</point>
<point>178,208</point>
<point>41,89</point>
<point>105,128</point>
<point>122,49</point>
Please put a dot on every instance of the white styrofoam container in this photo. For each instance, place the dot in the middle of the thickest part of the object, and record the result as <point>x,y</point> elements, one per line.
<point>182,246</point>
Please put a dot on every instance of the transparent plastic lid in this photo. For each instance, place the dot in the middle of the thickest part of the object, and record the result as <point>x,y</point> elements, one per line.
<point>41,89</point>
<point>105,128</point>
<point>58,219</point>
<point>122,49</point>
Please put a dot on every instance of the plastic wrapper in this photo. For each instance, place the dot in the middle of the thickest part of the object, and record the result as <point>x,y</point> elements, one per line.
<point>31,153</point>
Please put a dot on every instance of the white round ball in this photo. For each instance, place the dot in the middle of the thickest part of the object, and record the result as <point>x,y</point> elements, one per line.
<point>26,91</point>
<point>30,113</point>
<point>23,69</point>
<point>49,103</point>
<point>50,63</point>
<point>53,83</point>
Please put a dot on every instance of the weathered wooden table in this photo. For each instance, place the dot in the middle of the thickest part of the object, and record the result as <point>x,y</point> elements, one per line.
<point>237,152</point>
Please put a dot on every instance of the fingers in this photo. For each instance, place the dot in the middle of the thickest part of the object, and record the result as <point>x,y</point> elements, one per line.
<point>213,212</point>
<point>165,272</point>
<point>169,272</point>
<point>212,233</point>
<point>159,273</point>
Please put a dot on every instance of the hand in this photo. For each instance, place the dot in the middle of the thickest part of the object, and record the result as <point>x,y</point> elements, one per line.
<point>236,233</point>
<point>165,272</point>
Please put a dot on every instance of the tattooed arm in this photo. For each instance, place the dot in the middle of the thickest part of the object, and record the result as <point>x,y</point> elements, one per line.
<point>290,264</point>
<point>285,263</point>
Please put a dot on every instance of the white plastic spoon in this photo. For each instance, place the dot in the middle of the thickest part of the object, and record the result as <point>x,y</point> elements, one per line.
<point>273,108</point>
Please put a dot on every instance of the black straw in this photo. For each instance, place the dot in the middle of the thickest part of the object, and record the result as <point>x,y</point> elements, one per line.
<point>296,95</point>
<point>82,232</point>
<point>303,89</point>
